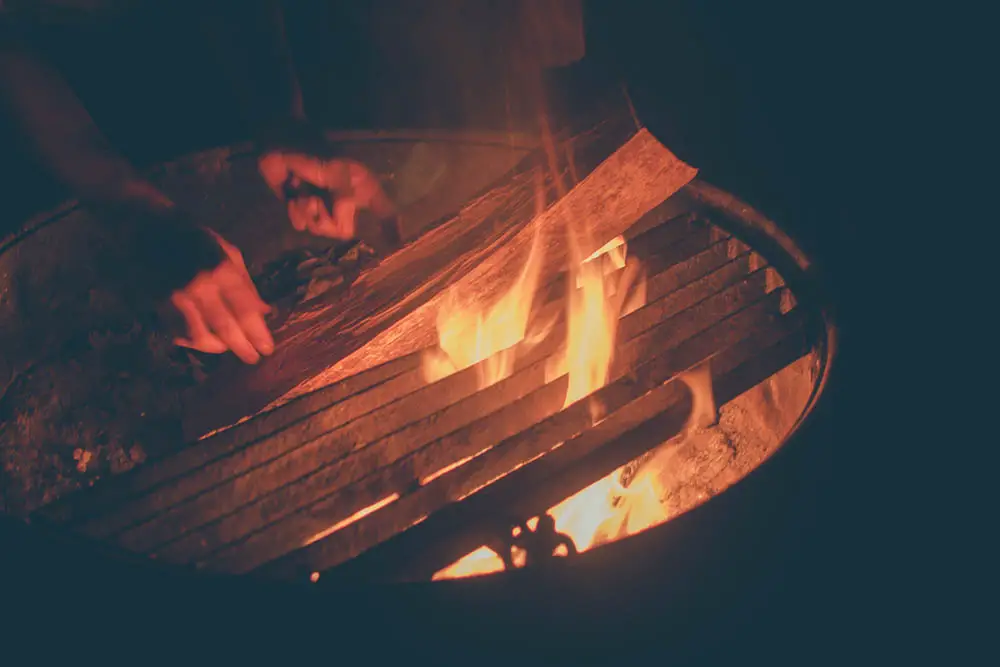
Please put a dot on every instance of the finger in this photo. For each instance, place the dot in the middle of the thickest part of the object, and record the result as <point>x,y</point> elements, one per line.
<point>247,307</point>
<point>274,169</point>
<point>345,212</point>
<point>260,305</point>
<point>251,321</point>
<point>209,345</point>
<point>231,251</point>
<point>323,224</point>
<point>240,267</point>
<point>199,337</point>
<point>298,215</point>
<point>366,189</point>
<point>224,325</point>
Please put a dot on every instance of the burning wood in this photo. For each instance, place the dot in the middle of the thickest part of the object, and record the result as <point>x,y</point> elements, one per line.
<point>631,182</point>
<point>530,466</point>
<point>554,358</point>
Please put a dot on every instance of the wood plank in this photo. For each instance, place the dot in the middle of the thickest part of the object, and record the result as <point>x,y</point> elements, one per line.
<point>623,188</point>
<point>648,422</point>
<point>114,492</point>
<point>674,248</point>
<point>523,428</point>
<point>291,458</point>
<point>393,432</point>
<point>630,182</point>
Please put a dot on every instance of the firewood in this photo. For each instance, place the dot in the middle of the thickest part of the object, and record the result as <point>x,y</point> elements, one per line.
<point>513,450</point>
<point>401,425</point>
<point>536,422</point>
<point>391,310</point>
<point>645,425</point>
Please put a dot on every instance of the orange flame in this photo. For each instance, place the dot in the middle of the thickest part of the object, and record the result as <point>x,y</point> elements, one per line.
<point>593,311</point>
<point>608,287</point>
<point>470,335</point>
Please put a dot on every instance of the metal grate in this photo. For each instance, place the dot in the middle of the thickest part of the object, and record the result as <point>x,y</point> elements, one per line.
<point>298,489</point>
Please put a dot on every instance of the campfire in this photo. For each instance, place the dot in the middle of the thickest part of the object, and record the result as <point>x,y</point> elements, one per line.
<point>607,285</point>
<point>590,363</point>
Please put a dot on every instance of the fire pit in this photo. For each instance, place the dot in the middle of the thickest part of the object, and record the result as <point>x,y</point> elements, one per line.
<point>489,429</point>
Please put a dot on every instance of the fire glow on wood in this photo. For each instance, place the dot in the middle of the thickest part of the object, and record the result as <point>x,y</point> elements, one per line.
<point>414,452</point>
<point>606,286</point>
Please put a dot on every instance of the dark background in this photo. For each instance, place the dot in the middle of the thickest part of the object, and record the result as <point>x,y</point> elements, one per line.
<point>774,101</point>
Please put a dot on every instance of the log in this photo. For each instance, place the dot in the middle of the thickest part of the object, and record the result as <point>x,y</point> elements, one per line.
<point>432,411</point>
<point>643,425</point>
<point>387,379</point>
<point>417,272</point>
<point>525,429</point>
<point>261,442</point>
<point>631,182</point>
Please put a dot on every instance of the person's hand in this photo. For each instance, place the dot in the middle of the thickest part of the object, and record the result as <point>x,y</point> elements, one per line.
<point>323,196</point>
<point>223,311</point>
<point>165,255</point>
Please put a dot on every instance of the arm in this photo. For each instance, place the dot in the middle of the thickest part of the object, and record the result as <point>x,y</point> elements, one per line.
<point>250,45</point>
<point>168,253</point>
<point>62,134</point>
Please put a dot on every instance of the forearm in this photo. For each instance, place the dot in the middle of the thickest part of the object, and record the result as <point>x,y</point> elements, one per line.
<point>62,134</point>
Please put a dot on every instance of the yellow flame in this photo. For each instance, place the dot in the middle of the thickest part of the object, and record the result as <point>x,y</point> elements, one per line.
<point>608,286</point>
<point>486,336</point>
<point>481,561</point>
<point>607,510</point>
<point>592,324</point>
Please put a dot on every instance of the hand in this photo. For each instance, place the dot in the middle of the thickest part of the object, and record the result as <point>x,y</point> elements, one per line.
<point>223,310</point>
<point>349,185</point>
<point>165,254</point>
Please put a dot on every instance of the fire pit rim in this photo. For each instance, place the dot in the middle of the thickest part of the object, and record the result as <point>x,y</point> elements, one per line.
<point>801,274</point>
<point>806,283</point>
<point>243,150</point>
<point>764,235</point>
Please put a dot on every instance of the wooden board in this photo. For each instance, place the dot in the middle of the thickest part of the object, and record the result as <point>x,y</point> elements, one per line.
<point>390,311</point>
<point>398,463</point>
<point>641,426</point>
<point>160,503</point>
<point>677,252</point>
<point>728,346</point>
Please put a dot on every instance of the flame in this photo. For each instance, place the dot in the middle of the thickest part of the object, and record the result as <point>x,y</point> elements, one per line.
<point>606,508</point>
<point>604,286</point>
<point>470,335</point>
<point>608,286</point>
<point>481,561</point>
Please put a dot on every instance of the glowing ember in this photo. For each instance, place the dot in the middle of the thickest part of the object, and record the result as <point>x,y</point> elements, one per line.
<point>481,561</point>
<point>357,516</point>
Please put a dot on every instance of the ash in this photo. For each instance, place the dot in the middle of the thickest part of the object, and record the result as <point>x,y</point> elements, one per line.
<point>751,427</point>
